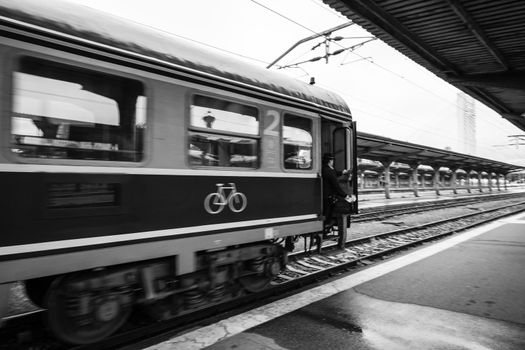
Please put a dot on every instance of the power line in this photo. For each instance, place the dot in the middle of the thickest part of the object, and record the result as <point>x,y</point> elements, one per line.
<point>331,11</point>
<point>326,33</point>
<point>185,38</point>
<point>403,122</point>
<point>429,131</point>
<point>370,61</point>
<point>283,16</point>
<point>334,53</point>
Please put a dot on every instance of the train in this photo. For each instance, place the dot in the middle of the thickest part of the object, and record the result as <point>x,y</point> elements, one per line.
<point>140,170</point>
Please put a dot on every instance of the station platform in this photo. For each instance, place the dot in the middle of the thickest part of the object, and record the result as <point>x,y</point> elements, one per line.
<point>371,200</point>
<point>465,292</point>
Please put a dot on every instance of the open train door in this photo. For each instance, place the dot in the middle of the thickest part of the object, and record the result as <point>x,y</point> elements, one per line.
<point>340,139</point>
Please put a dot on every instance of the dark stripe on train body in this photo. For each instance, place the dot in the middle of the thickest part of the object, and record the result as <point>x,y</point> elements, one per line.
<point>44,207</point>
<point>145,65</point>
<point>40,253</point>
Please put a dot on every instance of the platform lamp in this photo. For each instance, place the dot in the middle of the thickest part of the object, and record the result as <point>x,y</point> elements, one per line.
<point>209,119</point>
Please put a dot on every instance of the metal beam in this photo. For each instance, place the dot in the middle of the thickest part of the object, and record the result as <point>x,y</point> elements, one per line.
<point>374,13</point>
<point>507,80</point>
<point>376,148</point>
<point>516,117</point>
<point>478,32</point>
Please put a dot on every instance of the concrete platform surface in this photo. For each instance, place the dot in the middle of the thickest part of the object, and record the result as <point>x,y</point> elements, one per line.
<point>466,292</point>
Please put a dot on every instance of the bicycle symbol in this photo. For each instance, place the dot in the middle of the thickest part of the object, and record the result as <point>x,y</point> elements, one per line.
<point>214,203</point>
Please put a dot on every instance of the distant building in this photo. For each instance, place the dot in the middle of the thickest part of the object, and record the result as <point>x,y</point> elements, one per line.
<point>466,116</point>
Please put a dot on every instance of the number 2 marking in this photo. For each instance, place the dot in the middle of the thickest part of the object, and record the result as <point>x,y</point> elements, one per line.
<point>272,129</point>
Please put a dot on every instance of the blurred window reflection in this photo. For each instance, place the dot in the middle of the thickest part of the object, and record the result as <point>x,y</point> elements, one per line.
<point>66,112</point>
<point>223,133</point>
<point>297,142</point>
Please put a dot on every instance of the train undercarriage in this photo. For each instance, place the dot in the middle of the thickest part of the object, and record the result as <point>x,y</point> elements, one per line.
<point>87,306</point>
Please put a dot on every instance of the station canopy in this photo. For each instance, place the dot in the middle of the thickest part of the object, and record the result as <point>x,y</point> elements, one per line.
<point>384,149</point>
<point>477,46</point>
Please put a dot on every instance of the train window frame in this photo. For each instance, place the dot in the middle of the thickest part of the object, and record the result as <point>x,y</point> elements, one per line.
<point>312,167</point>
<point>101,68</point>
<point>195,130</point>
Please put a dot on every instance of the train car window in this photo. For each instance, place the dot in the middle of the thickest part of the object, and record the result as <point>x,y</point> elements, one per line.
<point>223,133</point>
<point>66,112</point>
<point>297,142</point>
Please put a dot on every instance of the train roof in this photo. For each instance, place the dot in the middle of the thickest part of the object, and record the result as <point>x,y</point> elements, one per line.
<point>83,23</point>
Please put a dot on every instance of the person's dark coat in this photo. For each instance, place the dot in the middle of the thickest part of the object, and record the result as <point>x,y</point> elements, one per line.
<point>331,189</point>
<point>331,185</point>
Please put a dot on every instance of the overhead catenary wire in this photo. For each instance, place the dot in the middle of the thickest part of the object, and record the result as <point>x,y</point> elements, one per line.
<point>371,61</point>
<point>334,53</point>
<point>402,121</point>
<point>283,16</point>
<point>328,9</point>
<point>184,37</point>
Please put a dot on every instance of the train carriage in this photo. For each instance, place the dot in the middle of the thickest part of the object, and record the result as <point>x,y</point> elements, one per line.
<point>137,168</point>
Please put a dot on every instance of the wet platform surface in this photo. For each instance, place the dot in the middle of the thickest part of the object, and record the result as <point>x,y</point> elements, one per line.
<point>470,296</point>
<point>352,320</point>
<point>466,292</point>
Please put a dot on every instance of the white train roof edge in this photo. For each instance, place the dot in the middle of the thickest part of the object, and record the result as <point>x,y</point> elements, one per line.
<point>96,26</point>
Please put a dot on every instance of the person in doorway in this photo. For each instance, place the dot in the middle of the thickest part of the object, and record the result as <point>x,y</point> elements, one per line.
<point>331,189</point>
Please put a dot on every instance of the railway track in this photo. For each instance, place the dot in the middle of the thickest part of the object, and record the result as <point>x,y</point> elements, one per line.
<point>303,269</point>
<point>378,245</point>
<point>381,213</point>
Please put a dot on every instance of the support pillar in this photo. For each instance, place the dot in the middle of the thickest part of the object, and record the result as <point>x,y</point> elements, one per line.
<point>468,180</point>
<point>489,180</point>
<point>505,181</point>
<point>497,182</point>
<point>480,186</point>
<point>453,178</point>
<point>415,186</point>
<point>435,180</point>
<point>386,173</point>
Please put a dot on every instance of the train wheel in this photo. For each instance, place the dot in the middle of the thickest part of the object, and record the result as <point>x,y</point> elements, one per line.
<point>257,278</point>
<point>84,317</point>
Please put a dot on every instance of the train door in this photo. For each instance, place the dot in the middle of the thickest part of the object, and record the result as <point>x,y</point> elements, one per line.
<point>340,139</point>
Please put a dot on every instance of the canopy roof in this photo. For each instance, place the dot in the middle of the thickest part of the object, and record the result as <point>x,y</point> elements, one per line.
<point>477,46</point>
<point>383,149</point>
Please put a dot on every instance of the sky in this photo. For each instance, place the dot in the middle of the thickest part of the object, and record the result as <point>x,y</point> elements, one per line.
<point>389,95</point>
